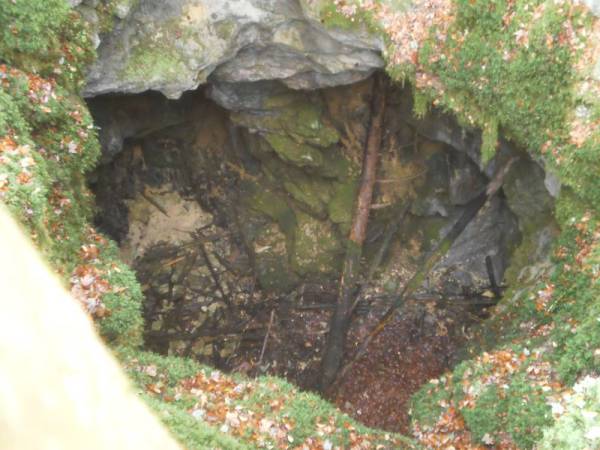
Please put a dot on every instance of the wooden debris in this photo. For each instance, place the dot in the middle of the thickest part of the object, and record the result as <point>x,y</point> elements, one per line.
<point>334,349</point>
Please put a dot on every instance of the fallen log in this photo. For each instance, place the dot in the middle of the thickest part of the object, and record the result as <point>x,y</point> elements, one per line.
<point>388,235</point>
<point>338,329</point>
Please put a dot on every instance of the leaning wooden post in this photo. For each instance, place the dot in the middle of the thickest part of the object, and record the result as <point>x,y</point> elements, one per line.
<point>338,328</point>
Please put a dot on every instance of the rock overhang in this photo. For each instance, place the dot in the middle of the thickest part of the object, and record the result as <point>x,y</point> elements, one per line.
<point>174,46</point>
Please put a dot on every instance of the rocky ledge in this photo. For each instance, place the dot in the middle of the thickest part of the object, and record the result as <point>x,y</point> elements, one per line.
<point>173,46</point>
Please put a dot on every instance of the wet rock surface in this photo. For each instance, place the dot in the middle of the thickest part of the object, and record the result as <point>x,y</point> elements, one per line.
<point>235,221</point>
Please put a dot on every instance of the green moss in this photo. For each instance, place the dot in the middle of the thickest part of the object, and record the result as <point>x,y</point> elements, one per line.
<point>45,37</point>
<point>30,196</point>
<point>336,165</point>
<point>489,140</point>
<point>155,60</point>
<point>108,10</point>
<point>317,248</point>
<point>272,266</point>
<point>580,168</point>
<point>55,173</point>
<point>173,368</point>
<point>495,81</point>
<point>52,126</point>
<point>312,193</point>
<point>306,410</point>
<point>485,417</point>
<point>341,205</point>
<point>526,96</point>
<point>521,411</point>
<point>192,433</point>
<point>11,117</point>
<point>124,324</point>
<point>295,116</point>
<point>523,104</point>
<point>225,29</point>
<point>308,126</point>
<point>527,412</point>
<point>301,155</point>
<point>426,405</point>
<point>521,408</point>
<point>575,430</point>
<point>267,201</point>
<point>331,17</point>
<point>271,398</point>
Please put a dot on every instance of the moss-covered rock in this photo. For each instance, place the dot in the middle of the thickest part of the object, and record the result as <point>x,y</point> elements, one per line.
<point>273,411</point>
<point>188,41</point>
<point>314,194</point>
<point>271,260</point>
<point>265,200</point>
<point>509,66</point>
<point>297,116</point>
<point>301,155</point>
<point>341,205</point>
<point>317,248</point>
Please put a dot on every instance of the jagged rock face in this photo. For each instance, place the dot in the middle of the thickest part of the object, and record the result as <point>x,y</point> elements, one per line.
<point>268,187</point>
<point>173,46</point>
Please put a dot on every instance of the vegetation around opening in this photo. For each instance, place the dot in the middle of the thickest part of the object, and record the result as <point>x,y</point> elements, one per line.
<point>512,68</point>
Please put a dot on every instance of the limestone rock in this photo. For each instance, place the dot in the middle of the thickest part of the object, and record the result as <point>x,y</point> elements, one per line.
<point>120,118</point>
<point>161,215</point>
<point>527,195</point>
<point>245,96</point>
<point>317,248</point>
<point>272,267</point>
<point>552,183</point>
<point>173,46</point>
<point>492,233</point>
<point>465,179</point>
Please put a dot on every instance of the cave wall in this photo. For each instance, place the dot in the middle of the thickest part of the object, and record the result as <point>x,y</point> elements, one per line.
<point>212,205</point>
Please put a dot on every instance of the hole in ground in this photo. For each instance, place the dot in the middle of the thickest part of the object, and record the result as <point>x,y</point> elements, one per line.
<point>233,205</point>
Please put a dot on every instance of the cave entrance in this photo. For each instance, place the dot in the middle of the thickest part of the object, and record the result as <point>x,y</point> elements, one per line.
<point>233,204</point>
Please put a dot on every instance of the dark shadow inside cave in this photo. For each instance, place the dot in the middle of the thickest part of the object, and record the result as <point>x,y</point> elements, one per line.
<point>233,204</point>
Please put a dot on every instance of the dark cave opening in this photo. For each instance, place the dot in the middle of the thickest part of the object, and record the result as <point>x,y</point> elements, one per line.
<point>233,204</point>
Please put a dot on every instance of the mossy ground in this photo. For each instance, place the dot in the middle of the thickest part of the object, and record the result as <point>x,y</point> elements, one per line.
<point>513,74</point>
<point>48,144</point>
<point>205,408</point>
